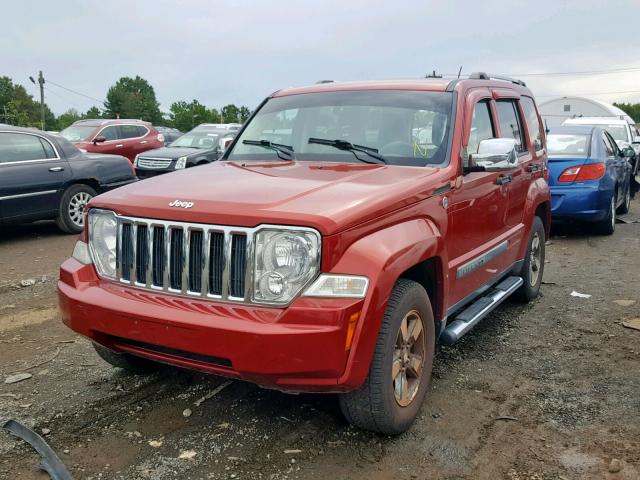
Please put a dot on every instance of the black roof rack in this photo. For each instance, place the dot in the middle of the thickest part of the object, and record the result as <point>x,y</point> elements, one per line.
<point>486,76</point>
<point>323,81</point>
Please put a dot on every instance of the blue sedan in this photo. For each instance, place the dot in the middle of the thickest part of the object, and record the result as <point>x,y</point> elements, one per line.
<point>588,176</point>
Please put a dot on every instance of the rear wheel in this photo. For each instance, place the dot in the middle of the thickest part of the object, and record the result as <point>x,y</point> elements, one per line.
<point>533,266</point>
<point>608,225</point>
<point>391,396</point>
<point>626,205</point>
<point>71,211</point>
<point>130,363</point>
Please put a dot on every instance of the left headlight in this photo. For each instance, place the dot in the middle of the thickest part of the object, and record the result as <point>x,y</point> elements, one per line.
<point>181,163</point>
<point>103,229</point>
<point>285,262</point>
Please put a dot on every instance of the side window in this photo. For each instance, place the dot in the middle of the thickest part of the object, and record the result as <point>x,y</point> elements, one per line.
<point>481,126</point>
<point>510,126</point>
<point>142,131</point>
<point>533,122</point>
<point>16,147</point>
<point>110,133</point>
<point>48,149</point>
<point>129,131</point>
<point>607,145</point>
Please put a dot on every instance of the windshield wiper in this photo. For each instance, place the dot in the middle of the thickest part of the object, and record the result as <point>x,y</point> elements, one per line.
<point>350,147</point>
<point>277,147</point>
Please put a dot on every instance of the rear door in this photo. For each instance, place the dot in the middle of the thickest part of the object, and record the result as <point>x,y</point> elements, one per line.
<point>134,139</point>
<point>32,175</point>
<point>615,162</point>
<point>511,125</point>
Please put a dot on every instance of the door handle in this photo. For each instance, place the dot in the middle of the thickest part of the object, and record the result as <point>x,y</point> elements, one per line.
<point>504,179</point>
<point>143,142</point>
<point>119,145</point>
<point>534,167</point>
<point>56,169</point>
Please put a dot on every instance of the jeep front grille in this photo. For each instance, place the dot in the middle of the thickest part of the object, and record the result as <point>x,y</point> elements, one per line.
<point>207,261</point>
<point>154,163</point>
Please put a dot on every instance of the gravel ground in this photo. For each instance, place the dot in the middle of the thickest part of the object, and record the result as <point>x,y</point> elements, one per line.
<point>550,390</point>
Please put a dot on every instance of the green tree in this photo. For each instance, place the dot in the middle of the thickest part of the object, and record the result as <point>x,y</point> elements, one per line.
<point>632,109</point>
<point>230,114</point>
<point>132,98</point>
<point>68,117</point>
<point>244,114</point>
<point>19,108</point>
<point>93,112</point>
<point>184,116</point>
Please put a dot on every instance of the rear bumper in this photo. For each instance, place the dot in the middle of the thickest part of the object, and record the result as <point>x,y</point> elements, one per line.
<point>299,348</point>
<point>579,202</point>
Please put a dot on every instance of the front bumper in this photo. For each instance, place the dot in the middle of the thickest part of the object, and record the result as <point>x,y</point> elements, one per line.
<point>298,348</point>
<point>579,202</point>
<point>142,173</point>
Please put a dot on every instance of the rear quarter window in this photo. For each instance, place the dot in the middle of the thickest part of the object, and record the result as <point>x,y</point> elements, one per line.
<point>533,122</point>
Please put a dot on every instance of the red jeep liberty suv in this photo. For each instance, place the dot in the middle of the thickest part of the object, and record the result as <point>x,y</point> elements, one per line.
<point>348,229</point>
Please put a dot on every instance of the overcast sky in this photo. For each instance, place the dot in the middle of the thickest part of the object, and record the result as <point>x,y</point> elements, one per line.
<point>239,51</point>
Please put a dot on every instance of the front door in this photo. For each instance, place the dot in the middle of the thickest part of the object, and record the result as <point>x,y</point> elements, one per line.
<point>478,241</point>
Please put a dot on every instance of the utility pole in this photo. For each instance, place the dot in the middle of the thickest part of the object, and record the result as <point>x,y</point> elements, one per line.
<point>41,83</point>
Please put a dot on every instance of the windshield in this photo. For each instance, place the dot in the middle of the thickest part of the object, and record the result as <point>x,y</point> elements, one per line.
<point>197,140</point>
<point>78,133</point>
<point>618,132</point>
<point>404,127</point>
<point>577,145</point>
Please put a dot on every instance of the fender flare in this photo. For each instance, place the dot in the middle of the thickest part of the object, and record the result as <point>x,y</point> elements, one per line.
<point>383,256</point>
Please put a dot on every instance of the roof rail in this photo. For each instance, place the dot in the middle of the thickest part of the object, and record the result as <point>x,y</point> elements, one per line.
<point>323,81</point>
<point>486,76</point>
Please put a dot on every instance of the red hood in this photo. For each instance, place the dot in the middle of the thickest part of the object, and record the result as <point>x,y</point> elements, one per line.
<point>326,196</point>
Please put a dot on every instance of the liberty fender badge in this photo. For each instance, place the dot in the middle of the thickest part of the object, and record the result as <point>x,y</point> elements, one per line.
<point>445,202</point>
<point>181,204</point>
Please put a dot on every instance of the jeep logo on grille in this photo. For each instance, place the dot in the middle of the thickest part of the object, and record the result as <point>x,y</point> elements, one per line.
<point>181,204</point>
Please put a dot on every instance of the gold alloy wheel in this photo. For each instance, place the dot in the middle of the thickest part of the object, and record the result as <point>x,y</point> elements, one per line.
<point>408,358</point>
<point>535,259</point>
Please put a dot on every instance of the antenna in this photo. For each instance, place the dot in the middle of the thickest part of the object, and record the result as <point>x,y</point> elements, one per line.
<point>460,71</point>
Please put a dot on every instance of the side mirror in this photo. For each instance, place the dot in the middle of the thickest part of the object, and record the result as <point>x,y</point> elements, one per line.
<point>99,139</point>
<point>636,139</point>
<point>628,152</point>
<point>494,155</point>
<point>225,142</point>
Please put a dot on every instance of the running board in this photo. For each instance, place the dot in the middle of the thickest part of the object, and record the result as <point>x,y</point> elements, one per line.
<point>479,309</point>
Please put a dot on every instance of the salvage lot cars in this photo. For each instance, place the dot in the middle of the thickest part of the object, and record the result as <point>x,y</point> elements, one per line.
<point>44,176</point>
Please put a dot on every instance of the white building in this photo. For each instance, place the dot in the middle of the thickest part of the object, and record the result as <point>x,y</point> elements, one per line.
<point>556,111</point>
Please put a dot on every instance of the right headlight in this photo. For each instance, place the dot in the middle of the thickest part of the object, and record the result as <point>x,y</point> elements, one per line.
<point>103,229</point>
<point>285,262</point>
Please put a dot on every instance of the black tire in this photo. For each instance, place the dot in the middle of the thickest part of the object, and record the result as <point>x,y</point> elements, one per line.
<point>608,225</point>
<point>74,198</point>
<point>374,406</point>
<point>626,204</point>
<point>130,363</point>
<point>533,266</point>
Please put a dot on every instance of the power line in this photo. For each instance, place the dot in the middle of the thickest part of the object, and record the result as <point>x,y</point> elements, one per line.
<point>553,74</point>
<point>62,98</point>
<point>74,91</point>
<point>573,94</point>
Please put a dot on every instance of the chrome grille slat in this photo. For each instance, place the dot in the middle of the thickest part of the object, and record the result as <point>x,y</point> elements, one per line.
<point>153,163</point>
<point>195,260</point>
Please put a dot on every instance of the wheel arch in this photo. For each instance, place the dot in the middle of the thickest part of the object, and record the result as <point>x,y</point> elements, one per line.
<point>413,250</point>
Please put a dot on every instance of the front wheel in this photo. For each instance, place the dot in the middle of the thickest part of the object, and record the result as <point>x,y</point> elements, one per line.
<point>130,363</point>
<point>390,398</point>
<point>533,266</point>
